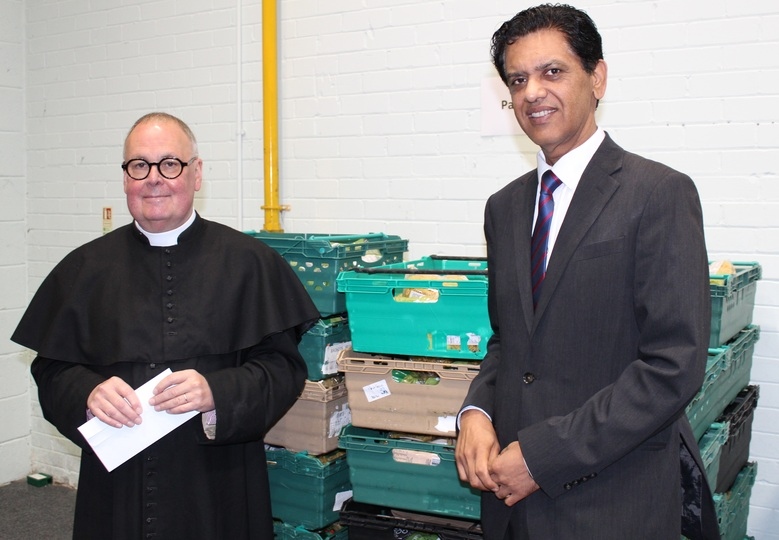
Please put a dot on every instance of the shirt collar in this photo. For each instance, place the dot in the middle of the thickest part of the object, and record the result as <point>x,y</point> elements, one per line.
<point>167,238</point>
<point>570,167</point>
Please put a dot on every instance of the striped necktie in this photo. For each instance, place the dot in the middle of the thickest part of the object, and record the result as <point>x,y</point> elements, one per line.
<point>540,241</point>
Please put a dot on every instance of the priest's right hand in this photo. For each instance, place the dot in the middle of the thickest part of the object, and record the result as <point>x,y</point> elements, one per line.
<point>114,402</point>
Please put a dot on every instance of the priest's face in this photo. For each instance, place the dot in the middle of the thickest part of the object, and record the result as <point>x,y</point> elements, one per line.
<point>158,203</point>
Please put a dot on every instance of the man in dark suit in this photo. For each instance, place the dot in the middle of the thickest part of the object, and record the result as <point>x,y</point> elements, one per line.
<point>575,427</point>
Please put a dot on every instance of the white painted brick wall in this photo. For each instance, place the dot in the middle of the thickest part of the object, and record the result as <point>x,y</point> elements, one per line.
<point>14,383</point>
<point>380,131</point>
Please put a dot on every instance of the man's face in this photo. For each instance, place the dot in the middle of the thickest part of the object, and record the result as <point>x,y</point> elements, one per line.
<point>157,203</point>
<point>554,98</point>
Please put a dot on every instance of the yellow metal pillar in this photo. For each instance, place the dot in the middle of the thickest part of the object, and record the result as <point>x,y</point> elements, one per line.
<point>270,108</point>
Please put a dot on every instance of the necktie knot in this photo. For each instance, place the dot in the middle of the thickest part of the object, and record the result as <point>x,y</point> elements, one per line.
<point>549,182</point>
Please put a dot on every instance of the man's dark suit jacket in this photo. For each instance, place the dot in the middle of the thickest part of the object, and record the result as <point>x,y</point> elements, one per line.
<point>594,383</point>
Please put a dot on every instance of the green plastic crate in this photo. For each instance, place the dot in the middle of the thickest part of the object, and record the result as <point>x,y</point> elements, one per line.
<point>732,301</point>
<point>304,489</point>
<point>285,531</point>
<point>318,259</point>
<point>435,307</point>
<point>406,474</point>
<point>321,345</point>
<point>733,507</point>
<point>711,445</point>
<point>727,373</point>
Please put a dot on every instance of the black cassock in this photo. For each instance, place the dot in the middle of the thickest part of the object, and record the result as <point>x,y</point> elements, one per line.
<point>220,302</point>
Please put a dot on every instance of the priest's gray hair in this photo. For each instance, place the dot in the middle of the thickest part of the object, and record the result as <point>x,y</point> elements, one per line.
<point>165,117</point>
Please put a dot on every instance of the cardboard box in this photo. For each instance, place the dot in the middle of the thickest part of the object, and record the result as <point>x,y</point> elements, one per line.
<point>414,395</point>
<point>315,420</point>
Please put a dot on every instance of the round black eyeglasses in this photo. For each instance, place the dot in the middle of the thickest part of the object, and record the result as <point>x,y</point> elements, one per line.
<point>170,168</point>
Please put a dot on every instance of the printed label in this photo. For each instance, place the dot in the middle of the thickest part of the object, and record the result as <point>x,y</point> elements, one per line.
<point>453,343</point>
<point>330,365</point>
<point>417,457</point>
<point>447,424</point>
<point>338,420</point>
<point>377,390</point>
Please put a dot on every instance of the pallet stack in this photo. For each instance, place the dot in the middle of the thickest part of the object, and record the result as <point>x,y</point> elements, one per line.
<point>721,413</point>
<point>308,473</point>
<point>419,332</point>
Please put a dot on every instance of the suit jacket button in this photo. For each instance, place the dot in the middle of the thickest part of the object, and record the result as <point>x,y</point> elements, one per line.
<point>528,378</point>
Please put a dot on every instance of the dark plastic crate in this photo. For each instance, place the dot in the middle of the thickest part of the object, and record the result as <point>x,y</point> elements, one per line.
<point>373,522</point>
<point>318,259</point>
<point>711,450</point>
<point>738,416</point>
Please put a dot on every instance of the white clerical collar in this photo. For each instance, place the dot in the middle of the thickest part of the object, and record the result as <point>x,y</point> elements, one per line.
<point>167,238</point>
<point>570,167</point>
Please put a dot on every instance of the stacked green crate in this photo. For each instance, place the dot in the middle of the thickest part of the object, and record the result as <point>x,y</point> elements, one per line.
<point>419,332</point>
<point>309,432</point>
<point>726,398</point>
<point>306,491</point>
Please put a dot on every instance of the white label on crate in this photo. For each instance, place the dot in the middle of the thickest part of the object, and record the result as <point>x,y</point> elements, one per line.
<point>340,499</point>
<point>474,340</point>
<point>453,343</point>
<point>447,424</point>
<point>417,457</point>
<point>332,350</point>
<point>377,390</point>
<point>338,420</point>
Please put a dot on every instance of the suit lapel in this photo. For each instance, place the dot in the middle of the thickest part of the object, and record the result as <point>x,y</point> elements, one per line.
<point>595,189</point>
<point>523,201</point>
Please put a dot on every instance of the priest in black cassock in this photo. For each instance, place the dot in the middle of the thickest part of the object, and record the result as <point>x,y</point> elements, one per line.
<point>171,290</point>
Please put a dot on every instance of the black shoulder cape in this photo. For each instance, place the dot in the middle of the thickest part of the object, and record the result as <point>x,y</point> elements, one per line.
<point>118,299</point>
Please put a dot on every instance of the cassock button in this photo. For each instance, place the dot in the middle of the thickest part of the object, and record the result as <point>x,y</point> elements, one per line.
<point>528,378</point>
<point>169,305</point>
<point>568,486</point>
<point>152,365</point>
<point>169,292</point>
<point>169,277</point>
<point>171,319</point>
<point>168,264</point>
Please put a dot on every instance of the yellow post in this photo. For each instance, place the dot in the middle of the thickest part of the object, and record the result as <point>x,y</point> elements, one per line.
<point>270,108</point>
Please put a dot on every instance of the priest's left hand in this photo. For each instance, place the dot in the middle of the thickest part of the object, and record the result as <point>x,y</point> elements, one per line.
<point>183,391</point>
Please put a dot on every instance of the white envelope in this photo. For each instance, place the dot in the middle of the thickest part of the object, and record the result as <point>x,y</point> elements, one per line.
<point>114,446</point>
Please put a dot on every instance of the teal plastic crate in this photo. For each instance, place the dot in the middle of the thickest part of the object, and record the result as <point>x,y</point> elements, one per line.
<point>433,307</point>
<point>285,531</point>
<point>727,373</point>
<point>321,345</point>
<point>318,259</point>
<point>407,474</point>
<point>732,301</point>
<point>733,507</point>
<point>711,445</point>
<point>304,489</point>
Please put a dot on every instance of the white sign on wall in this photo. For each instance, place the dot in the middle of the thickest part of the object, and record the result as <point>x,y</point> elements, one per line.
<point>497,113</point>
